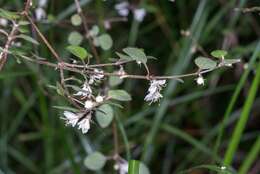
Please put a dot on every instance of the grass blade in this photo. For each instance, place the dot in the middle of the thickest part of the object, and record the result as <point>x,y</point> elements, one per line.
<point>229,155</point>
<point>251,157</point>
<point>133,167</point>
<point>235,97</point>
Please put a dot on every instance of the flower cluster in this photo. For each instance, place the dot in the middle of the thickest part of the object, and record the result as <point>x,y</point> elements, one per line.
<point>82,119</point>
<point>154,91</point>
<point>123,9</point>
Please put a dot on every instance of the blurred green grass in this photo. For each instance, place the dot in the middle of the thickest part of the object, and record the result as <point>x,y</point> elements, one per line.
<point>181,132</point>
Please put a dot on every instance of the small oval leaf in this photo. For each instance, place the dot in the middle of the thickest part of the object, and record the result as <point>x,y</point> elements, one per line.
<point>95,161</point>
<point>219,53</point>
<point>75,38</point>
<point>104,115</point>
<point>105,41</point>
<point>136,54</point>
<point>205,63</point>
<point>76,20</point>
<point>120,95</point>
<point>78,51</point>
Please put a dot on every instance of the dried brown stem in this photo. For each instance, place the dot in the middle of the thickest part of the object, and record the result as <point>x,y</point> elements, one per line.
<point>85,25</point>
<point>10,38</point>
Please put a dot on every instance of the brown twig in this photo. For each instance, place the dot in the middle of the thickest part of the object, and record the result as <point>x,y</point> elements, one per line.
<point>69,67</point>
<point>10,38</point>
<point>85,25</point>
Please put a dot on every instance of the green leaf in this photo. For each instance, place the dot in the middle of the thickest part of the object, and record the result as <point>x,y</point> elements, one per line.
<point>105,41</point>
<point>205,63</point>
<point>23,23</point>
<point>8,14</point>
<point>59,89</point>
<point>133,167</point>
<point>219,53</point>
<point>120,95</point>
<point>114,81</point>
<point>104,115</point>
<point>124,57</point>
<point>78,51</point>
<point>28,38</point>
<point>75,38</point>
<point>136,54</point>
<point>95,161</point>
<point>76,20</point>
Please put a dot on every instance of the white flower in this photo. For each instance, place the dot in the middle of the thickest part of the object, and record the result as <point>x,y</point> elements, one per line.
<point>154,91</point>
<point>40,13</point>
<point>122,8</point>
<point>139,14</point>
<point>86,91</point>
<point>99,99</point>
<point>3,22</point>
<point>200,80</point>
<point>70,118</point>
<point>223,167</point>
<point>97,76</point>
<point>122,166</point>
<point>84,125</point>
<point>89,104</point>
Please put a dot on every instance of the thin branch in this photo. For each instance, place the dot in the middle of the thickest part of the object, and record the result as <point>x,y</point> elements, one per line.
<point>44,39</point>
<point>85,25</point>
<point>4,53</point>
<point>126,76</point>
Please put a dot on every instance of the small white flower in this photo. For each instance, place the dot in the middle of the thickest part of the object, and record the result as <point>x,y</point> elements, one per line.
<point>84,125</point>
<point>154,91</point>
<point>139,14</point>
<point>89,104</point>
<point>122,166</point>
<point>122,8</point>
<point>70,118</point>
<point>86,91</point>
<point>97,76</point>
<point>3,22</point>
<point>223,167</point>
<point>40,13</point>
<point>99,99</point>
<point>200,80</point>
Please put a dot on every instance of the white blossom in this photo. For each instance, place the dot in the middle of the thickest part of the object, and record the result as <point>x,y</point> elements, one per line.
<point>86,91</point>
<point>99,99</point>
<point>40,13</point>
<point>223,167</point>
<point>139,14</point>
<point>70,118</point>
<point>84,124</point>
<point>89,104</point>
<point>122,8</point>
<point>3,22</point>
<point>97,76</point>
<point>154,91</point>
<point>200,80</point>
<point>122,166</point>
